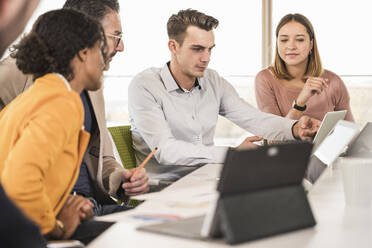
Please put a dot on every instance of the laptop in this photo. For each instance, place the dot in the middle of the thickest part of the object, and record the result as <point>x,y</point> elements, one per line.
<point>333,145</point>
<point>244,171</point>
<point>329,121</point>
<point>361,147</point>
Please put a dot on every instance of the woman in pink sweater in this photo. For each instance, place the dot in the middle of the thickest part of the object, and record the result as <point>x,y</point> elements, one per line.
<point>296,84</point>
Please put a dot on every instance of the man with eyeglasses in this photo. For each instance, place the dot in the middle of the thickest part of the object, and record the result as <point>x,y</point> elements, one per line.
<point>118,44</point>
<point>101,176</point>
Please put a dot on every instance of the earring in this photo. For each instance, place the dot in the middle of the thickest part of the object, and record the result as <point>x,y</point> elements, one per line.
<point>311,51</point>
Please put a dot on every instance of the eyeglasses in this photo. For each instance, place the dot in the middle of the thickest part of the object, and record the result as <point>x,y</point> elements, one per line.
<point>116,37</point>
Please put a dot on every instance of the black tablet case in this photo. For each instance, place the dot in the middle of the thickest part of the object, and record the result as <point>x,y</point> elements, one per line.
<point>261,192</point>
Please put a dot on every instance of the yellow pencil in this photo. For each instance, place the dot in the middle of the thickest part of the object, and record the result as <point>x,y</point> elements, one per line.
<point>145,161</point>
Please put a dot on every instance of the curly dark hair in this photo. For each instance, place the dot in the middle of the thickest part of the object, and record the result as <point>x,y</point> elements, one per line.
<point>56,37</point>
<point>178,23</point>
<point>96,9</point>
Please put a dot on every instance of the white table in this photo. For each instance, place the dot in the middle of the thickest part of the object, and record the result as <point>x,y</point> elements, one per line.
<point>337,225</point>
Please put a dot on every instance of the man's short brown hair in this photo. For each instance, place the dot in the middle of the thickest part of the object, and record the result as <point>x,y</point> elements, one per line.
<point>178,23</point>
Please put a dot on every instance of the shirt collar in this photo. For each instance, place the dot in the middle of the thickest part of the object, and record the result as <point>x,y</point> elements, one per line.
<point>170,83</point>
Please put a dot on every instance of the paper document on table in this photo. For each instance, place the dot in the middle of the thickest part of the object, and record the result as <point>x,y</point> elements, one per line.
<point>196,194</point>
<point>162,209</point>
<point>173,204</point>
<point>174,209</point>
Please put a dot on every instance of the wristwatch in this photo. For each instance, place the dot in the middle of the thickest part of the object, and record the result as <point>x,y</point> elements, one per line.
<point>297,107</point>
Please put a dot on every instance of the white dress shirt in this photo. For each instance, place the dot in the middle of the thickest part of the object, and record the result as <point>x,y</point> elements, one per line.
<point>182,123</point>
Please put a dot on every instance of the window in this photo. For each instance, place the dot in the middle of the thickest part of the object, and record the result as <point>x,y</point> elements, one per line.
<point>238,37</point>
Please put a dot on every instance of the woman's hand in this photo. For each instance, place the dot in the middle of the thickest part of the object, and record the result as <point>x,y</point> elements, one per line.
<point>71,214</point>
<point>313,85</point>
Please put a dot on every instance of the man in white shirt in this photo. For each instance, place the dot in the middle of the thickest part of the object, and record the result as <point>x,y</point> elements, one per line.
<point>175,108</point>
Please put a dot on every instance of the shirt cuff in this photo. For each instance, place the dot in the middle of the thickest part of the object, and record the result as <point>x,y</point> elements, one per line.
<point>116,179</point>
<point>296,138</point>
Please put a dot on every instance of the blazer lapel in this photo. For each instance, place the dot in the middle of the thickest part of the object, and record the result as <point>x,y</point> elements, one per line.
<point>96,98</point>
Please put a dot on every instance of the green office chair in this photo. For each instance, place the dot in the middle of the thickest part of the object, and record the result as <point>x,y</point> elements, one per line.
<point>122,137</point>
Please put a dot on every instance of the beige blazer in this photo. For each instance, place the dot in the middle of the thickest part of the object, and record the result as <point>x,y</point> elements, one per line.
<point>99,156</point>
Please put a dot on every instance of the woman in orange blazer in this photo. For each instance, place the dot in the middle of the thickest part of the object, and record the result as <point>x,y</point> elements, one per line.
<point>41,132</point>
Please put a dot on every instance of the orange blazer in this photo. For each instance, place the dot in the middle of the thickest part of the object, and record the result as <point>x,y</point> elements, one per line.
<point>42,144</point>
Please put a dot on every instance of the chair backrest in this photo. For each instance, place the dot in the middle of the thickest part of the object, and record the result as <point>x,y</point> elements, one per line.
<point>122,137</point>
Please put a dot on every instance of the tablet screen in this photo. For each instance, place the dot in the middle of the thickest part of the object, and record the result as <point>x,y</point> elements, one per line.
<point>336,141</point>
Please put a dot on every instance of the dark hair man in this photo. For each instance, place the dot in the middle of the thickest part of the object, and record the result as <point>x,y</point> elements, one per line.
<point>175,108</point>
